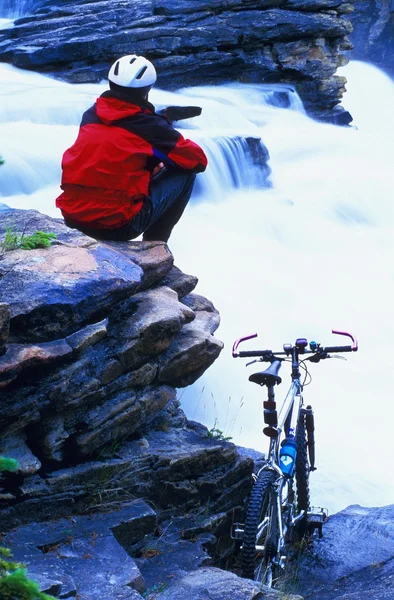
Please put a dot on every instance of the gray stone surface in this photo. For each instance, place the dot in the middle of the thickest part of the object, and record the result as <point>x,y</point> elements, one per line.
<point>182,283</point>
<point>209,583</point>
<point>354,559</point>
<point>83,556</point>
<point>353,539</point>
<point>46,289</point>
<point>14,446</point>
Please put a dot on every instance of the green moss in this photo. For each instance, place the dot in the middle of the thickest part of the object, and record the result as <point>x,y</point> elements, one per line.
<point>8,464</point>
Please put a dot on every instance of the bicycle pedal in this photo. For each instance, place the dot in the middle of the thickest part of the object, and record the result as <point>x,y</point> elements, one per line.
<point>237,531</point>
<point>317,515</point>
<point>316,519</point>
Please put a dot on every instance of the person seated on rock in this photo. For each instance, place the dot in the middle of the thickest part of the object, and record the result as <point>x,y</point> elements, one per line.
<point>129,171</point>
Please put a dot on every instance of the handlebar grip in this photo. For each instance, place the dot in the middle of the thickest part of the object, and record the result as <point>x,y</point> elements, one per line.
<point>338,349</point>
<point>251,353</point>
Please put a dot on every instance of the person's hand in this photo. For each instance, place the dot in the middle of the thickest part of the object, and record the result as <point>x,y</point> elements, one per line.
<point>157,169</point>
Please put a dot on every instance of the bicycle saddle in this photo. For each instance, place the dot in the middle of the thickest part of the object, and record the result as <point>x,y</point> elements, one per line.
<point>269,376</point>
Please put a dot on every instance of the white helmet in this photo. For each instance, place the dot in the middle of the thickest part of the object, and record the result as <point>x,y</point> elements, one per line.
<point>132,71</point>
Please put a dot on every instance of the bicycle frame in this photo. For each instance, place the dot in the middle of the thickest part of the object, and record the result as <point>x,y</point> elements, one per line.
<point>291,404</point>
<point>290,408</point>
<point>271,508</point>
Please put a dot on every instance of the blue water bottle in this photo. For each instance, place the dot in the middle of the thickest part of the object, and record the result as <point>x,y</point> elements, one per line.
<point>288,453</point>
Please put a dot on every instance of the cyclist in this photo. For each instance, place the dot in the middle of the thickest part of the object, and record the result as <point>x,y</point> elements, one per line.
<point>129,171</point>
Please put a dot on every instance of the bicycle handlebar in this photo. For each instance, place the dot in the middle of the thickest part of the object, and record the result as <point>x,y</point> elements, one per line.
<point>317,349</point>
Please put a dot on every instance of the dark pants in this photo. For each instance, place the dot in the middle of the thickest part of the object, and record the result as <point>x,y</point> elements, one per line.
<point>169,193</point>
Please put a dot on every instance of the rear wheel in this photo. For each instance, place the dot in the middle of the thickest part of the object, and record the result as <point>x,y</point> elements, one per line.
<point>261,529</point>
<point>302,474</point>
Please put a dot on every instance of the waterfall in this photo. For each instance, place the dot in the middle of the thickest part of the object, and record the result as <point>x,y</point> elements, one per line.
<point>310,252</point>
<point>14,9</point>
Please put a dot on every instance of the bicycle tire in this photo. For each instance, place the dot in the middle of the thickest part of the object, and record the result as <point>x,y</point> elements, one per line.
<point>258,506</point>
<point>302,473</point>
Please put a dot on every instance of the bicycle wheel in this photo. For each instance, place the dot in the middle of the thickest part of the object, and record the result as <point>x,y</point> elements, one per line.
<point>302,473</point>
<point>260,526</point>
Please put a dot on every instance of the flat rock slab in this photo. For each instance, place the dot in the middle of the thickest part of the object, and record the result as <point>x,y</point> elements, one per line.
<point>174,563</point>
<point>353,539</point>
<point>168,558</point>
<point>209,583</point>
<point>83,555</point>
<point>53,291</point>
<point>354,559</point>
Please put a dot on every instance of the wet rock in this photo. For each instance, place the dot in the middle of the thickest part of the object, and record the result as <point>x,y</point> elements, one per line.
<point>337,116</point>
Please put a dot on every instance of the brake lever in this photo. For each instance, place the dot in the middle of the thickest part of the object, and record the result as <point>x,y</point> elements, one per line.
<point>253,361</point>
<point>317,357</point>
<point>322,356</point>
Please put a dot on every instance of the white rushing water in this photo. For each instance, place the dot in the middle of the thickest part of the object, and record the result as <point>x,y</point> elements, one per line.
<point>13,9</point>
<point>312,253</point>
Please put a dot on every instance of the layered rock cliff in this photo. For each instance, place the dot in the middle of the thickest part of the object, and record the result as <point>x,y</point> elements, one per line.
<point>95,338</point>
<point>373,33</point>
<point>191,42</point>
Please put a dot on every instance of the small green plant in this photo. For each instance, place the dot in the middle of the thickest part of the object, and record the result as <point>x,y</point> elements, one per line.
<point>218,434</point>
<point>13,240</point>
<point>14,583</point>
<point>39,239</point>
<point>1,161</point>
<point>156,589</point>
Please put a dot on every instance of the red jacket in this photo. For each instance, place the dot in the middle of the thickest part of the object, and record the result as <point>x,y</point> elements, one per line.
<point>107,170</point>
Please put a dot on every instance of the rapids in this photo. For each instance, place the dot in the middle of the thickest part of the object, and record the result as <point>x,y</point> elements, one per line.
<point>311,253</point>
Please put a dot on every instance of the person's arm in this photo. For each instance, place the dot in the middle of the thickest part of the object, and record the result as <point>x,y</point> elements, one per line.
<point>168,145</point>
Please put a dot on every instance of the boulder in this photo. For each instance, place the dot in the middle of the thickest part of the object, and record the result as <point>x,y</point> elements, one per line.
<point>215,584</point>
<point>354,558</point>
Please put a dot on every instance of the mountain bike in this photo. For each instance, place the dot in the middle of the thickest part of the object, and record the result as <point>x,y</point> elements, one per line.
<point>279,510</point>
